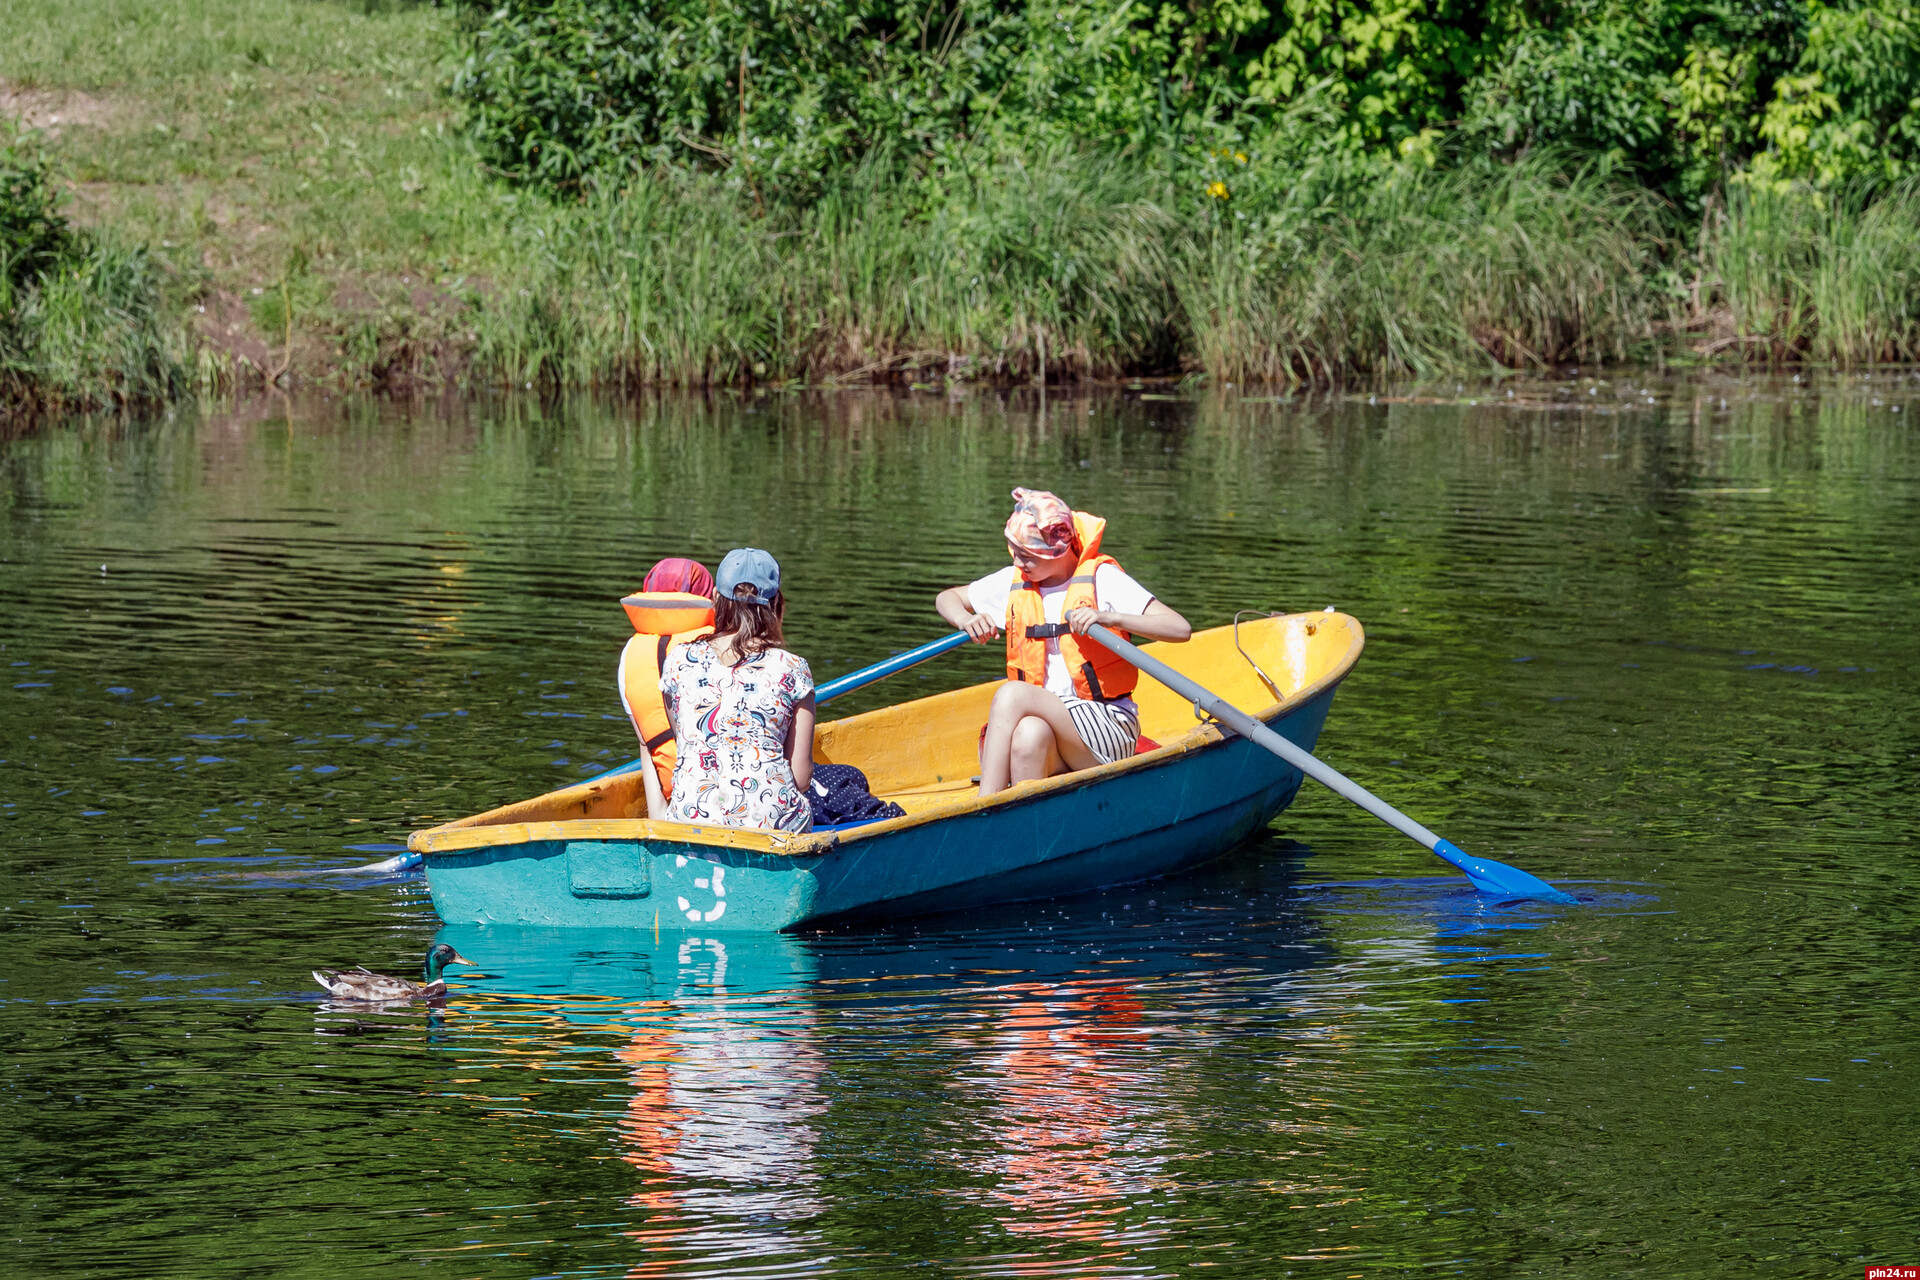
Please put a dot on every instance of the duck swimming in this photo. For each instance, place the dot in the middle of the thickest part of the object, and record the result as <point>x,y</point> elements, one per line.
<point>363,984</point>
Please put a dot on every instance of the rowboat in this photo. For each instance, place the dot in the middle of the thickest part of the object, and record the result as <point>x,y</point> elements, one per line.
<point>587,856</point>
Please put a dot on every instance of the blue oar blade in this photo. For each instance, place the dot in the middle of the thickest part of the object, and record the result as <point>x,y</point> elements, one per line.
<point>614,772</point>
<point>1489,876</point>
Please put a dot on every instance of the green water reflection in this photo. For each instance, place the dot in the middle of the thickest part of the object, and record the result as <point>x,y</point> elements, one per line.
<point>1661,644</point>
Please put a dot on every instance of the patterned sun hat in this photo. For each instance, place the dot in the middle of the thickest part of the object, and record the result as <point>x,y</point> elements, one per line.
<point>1041,523</point>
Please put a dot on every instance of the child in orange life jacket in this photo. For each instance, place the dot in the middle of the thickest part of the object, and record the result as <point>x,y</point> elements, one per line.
<point>673,606</point>
<point>1067,703</point>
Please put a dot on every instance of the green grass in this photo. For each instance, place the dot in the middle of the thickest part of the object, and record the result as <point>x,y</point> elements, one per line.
<point>98,329</point>
<point>84,319</point>
<point>1090,264</point>
<point>1479,269</point>
<point>677,280</point>
<point>297,177</point>
<point>1834,277</point>
<point>297,148</point>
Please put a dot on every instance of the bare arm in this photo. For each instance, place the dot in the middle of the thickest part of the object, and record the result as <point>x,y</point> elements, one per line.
<point>656,798</point>
<point>800,742</point>
<point>1157,623</point>
<point>957,609</point>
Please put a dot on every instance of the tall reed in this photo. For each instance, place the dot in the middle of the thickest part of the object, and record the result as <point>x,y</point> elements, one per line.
<point>95,329</point>
<point>1424,273</point>
<point>1834,276</point>
<point>1083,264</point>
<point>684,280</point>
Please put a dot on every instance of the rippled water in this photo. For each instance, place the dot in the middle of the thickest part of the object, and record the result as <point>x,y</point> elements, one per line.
<point>1657,647</point>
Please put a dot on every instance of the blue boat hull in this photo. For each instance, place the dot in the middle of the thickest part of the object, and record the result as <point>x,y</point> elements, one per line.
<point>1154,820</point>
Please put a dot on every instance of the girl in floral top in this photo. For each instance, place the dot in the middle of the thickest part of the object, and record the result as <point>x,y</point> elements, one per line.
<point>742,709</point>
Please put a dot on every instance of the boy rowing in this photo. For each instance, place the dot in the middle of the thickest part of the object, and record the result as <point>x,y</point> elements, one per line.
<point>1068,703</point>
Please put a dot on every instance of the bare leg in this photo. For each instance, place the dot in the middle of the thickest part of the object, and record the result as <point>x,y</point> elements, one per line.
<point>1029,735</point>
<point>1032,752</point>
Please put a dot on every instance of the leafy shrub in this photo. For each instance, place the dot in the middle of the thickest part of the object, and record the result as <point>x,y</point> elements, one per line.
<point>785,92</point>
<point>33,235</point>
<point>82,319</point>
<point>1671,86</point>
<point>1852,104</point>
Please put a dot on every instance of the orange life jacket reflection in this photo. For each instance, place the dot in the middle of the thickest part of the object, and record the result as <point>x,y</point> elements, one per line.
<point>1098,674</point>
<point>661,620</point>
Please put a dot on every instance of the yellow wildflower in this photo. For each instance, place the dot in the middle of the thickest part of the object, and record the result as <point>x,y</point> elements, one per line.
<point>1218,190</point>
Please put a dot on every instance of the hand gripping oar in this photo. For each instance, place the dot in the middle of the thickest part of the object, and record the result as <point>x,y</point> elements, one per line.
<point>845,684</point>
<point>1487,875</point>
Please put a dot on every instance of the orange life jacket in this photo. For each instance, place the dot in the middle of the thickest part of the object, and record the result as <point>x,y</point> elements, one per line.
<point>661,620</point>
<point>1098,673</point>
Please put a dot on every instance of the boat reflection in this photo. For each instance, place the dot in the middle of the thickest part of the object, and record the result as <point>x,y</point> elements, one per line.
<point>721,1065</point>
<point>721,1121</point>
<point>1048,1069</point>
<point>1077,1100</point>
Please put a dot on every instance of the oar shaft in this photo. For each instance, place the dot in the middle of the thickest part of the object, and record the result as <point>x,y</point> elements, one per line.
<point>889,666</point>
<point>1248,727</point>
<point>1493,877</point>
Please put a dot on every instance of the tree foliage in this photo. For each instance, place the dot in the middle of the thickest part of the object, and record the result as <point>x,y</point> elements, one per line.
<point>1688,93</point>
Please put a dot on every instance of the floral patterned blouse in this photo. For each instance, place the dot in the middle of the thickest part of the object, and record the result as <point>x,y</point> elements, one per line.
<point>731,727</point>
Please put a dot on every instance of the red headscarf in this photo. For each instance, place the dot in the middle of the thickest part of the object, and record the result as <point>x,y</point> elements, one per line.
<point>1041,523</point>
<point>678,574</point>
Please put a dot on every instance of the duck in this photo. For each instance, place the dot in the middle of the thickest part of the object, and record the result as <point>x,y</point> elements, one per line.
<point>365,985</point>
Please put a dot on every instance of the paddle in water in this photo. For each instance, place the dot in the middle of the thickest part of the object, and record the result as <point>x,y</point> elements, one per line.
<point>1485,874</point>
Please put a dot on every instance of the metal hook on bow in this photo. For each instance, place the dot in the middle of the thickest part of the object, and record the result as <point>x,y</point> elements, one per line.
<point>1264,677</point>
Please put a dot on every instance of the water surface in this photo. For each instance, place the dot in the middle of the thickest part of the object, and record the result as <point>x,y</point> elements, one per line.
<point>1651,640</point>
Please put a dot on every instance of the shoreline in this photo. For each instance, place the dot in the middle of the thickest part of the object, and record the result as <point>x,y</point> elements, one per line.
<point>1584,394</point>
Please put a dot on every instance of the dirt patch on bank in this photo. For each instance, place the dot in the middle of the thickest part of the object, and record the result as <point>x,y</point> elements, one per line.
<point>51,110</point>
<point>412,337</point>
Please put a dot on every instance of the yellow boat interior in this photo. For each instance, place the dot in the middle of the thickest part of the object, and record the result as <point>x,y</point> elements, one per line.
<point>924,755</point>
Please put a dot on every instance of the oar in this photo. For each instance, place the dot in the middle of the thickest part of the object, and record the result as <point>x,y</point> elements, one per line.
<point>1487,875</point>
<point>881,670</point>
<point>846,684</point>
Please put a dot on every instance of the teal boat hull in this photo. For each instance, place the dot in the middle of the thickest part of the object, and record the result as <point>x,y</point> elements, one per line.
<point>1155,820</point>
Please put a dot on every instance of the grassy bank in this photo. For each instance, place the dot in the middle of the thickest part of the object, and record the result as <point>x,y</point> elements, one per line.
<point>311,213</point>
<point>285,163</point>
<point>84,318</point>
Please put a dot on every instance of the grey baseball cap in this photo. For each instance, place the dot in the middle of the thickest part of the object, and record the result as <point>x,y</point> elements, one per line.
<point>752,567</point>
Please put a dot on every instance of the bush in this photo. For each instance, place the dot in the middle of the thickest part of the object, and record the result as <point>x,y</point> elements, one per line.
<point>33,235</point>
<point>82,319</point>
<point>784,93</point>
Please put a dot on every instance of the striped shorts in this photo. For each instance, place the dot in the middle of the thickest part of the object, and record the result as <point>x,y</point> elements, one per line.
<point>1110,729</point>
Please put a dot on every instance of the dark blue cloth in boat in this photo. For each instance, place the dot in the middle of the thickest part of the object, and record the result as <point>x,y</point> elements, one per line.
<point>840,798</point>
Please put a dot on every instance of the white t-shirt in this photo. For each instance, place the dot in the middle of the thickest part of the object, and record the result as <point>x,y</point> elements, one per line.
<point>1113,590</point>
